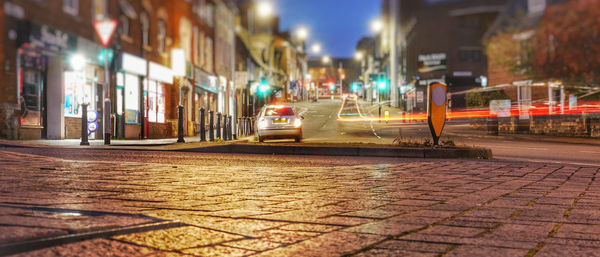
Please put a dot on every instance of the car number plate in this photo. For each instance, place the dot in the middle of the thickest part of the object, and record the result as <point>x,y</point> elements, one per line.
<point>279,121</point>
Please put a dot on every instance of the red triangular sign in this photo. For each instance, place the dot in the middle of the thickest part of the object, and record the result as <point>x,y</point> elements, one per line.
<point>105,30</point>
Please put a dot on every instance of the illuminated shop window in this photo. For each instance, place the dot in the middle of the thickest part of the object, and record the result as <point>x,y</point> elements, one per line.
<point>132,99</point>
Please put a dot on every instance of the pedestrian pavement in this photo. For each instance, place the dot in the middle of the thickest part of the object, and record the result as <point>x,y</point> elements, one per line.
<point>167,204</point>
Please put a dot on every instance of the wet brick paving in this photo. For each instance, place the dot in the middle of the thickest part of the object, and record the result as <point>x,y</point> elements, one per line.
<point>388,207</point>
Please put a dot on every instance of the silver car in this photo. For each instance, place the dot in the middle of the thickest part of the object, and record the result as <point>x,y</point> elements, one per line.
<point>277,122</point>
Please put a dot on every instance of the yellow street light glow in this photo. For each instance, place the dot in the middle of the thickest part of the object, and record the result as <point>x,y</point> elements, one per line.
<point>316,48</point>
<point>302,33</point>
<point>377,25</point>
<point>78,62</point>
<point>358,56</point>
<point>265,9</point>
<point>326,59</point>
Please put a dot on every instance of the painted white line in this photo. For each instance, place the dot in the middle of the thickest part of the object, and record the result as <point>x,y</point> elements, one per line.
<point>593,152</point>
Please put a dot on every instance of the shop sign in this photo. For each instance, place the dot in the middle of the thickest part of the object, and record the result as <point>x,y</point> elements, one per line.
<point>420,96</point>
<point>133,64</point>
<point>432,62</point>
<point>51,39</point>
<point>160,73</point>
<point>205,80</point>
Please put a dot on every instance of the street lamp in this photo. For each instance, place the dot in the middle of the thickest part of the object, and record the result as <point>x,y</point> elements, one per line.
<point>358,56</point>
<point>265,9</point>
<point>302,33</point>
<point>377,25</point>
<point>316,48</point>
<point>326,59</point>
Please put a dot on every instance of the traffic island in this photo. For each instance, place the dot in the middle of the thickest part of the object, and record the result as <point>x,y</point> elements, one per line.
<point>366,150</point>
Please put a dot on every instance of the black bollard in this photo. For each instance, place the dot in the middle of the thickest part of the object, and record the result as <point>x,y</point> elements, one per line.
<point>202,125</point>
<point>211,126</point>
<point>180,125</point>
<point>84,125</point>
<point>224,128</point>
<point>218,122</point>
<point>229,128</point>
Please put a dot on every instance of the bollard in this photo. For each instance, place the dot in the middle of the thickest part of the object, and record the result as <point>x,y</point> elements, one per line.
<point>235,129</point>
<point>202,125</point>
<point>379,113</point>
<point>240,129</point>
<point>84,125</point>
<point>218,127</point>
<point>211,126</point>
<point>180,124</point>
<point>230,127</point>
<point>224,128</point>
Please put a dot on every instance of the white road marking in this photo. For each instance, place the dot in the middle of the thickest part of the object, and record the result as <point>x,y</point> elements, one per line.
<point>515,147</point>
<point>593,152</point>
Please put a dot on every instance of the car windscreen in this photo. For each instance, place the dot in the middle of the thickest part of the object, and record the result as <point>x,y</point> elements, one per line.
<point>284,111</point>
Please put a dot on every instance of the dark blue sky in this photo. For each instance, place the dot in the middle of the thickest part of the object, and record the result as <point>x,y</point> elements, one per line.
<point>336,24</point>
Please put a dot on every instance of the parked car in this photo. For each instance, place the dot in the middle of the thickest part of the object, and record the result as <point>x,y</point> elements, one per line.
<point>278,122</point>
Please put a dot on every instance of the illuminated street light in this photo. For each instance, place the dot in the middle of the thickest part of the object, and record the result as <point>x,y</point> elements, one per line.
<point>302,33</point>
<point>265,9</point>
<point>326,59</point>
<point>358,56</point>
<point>77,62</point>
<point>377,25</point>
<point>316,48</point>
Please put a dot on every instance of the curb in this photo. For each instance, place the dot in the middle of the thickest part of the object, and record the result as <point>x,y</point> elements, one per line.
<point>522,137</point>
<point>439,153</point>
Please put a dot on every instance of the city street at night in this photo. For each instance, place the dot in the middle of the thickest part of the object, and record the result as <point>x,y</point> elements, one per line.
<point>57,202</point>
<point>350,128</point>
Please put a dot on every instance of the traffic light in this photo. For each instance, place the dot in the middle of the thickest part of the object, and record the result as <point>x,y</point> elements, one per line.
<point>264,86</point>
<point>102,53</point>
<point>354,87</point>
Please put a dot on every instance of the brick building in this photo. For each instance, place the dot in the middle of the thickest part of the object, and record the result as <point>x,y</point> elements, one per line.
<point>42,91</point>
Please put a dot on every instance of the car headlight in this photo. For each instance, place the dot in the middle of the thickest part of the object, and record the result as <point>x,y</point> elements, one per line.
<point>297,123</point>
<point>263,124</point>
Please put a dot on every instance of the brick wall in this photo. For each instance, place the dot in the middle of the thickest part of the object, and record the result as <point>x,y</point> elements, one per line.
<point>560,125</point>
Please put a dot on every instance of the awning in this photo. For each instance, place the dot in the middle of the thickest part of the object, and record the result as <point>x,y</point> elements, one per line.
<point>127,9</point>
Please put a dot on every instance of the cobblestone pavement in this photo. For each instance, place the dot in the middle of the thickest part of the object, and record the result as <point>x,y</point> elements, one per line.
<point>118,203</point>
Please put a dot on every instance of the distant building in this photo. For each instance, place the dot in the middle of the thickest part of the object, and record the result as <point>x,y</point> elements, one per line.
<point>441,40</point>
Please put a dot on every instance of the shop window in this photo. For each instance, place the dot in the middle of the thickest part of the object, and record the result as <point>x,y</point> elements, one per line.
<point>77,92</point>
<point>132,99</point>
<point>155,101</point>
<point>31,100</point>
<point>71,7</point>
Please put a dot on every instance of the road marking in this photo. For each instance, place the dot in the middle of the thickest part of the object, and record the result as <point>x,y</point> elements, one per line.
<point>528,148</point>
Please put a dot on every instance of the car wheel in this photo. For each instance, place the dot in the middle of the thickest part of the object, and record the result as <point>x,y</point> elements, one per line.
<point>261,139</point>
<point>298,139</point>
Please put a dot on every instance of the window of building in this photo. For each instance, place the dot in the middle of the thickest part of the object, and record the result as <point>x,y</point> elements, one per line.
<point>536,6</point>
<point>145,22</point>
<point>470,55</point>
<point>469,22</point>
<point>209,15</point>
<point>99,9</point>
<point>209,55</point>
<point>71,7</point>
<point>124,25</point>
<point>162,35</point>
<point>155,101</point>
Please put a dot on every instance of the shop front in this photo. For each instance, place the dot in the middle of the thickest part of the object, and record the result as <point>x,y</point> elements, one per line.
<point>57,73</point>
<point>160,78</point>
<point>205,94</point>
<point>129,100</point>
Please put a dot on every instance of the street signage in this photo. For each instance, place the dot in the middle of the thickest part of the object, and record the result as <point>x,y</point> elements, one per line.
<point>436,110</point>
<point>105,30</point>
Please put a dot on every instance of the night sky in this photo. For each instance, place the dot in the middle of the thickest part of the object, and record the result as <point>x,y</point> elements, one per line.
<point>337,24</point>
